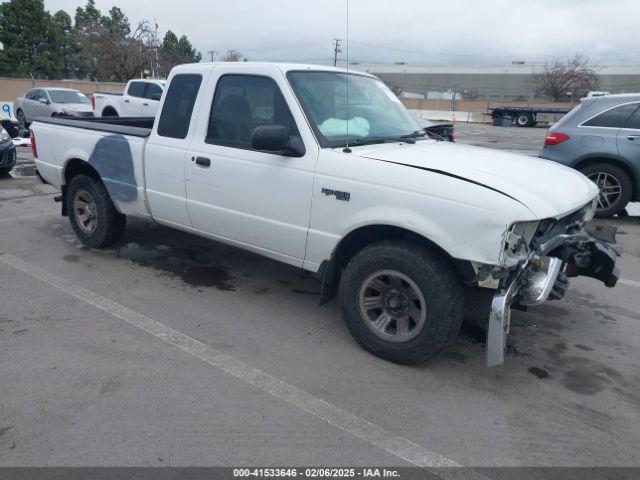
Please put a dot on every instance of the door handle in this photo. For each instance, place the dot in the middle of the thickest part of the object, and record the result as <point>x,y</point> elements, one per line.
<point>126,101</point>
<point>633,137</point>
<point>203,161</point>
<point>145,104</point>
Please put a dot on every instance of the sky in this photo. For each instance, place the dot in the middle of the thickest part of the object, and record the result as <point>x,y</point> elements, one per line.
<point>387,31</point>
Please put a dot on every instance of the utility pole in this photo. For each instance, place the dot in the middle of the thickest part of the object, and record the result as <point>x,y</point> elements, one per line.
<point>336,50</point>
<point>212,54</point>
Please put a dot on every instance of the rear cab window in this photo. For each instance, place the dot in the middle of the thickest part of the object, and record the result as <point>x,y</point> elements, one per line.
<point>178,105</point>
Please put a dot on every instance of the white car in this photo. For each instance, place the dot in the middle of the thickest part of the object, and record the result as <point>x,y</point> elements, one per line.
<point>141,98</point>
<point>272,159</point>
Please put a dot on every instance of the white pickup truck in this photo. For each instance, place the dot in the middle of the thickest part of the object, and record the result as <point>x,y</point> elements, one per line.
<point>326,170</point>
<point>141,98</point>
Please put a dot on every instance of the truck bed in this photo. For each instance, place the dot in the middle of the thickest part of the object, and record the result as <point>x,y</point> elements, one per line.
<point>112,146</point>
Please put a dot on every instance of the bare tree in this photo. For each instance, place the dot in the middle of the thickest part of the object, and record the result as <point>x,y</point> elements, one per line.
<point>234,56</point>
<point>561,80</point>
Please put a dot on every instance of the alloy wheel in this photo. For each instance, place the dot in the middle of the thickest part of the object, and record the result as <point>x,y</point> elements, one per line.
<point>610,189</point>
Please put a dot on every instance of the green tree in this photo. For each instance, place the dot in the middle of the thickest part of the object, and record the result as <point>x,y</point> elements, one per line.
<point>174,51</point>
<point>88,30</point>
<point>66,43</point>
<point>28,35</point>
<point>92,45</point>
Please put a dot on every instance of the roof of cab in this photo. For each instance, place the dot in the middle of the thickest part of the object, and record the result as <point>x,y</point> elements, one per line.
<point>284,67</point>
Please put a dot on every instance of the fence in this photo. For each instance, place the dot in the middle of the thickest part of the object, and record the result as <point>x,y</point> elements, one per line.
<point>12,88</point>
<point>476,105</point>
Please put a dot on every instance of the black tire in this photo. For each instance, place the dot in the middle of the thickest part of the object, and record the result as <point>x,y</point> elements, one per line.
<point>22,120</point>
<point>524,119</point>
<point>437,282</point>
<point>620,177</point>
<point>110,223</point>
<point>109,112</point>
<point>4,171</point>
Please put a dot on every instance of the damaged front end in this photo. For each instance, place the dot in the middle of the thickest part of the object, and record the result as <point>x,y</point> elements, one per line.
<point>539,257</point>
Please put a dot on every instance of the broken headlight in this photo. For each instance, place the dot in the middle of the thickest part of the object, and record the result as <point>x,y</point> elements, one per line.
<point>517,244</point>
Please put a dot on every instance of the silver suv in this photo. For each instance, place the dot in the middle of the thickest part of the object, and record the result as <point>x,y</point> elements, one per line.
<point>601,138</point>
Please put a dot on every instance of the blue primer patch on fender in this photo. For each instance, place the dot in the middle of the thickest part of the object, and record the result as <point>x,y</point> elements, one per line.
<point>112,159</point>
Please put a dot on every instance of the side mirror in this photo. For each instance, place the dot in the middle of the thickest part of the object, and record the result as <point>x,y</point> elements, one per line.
<point>43,101</point>
<point>156,96</point>
<point>276,139</point>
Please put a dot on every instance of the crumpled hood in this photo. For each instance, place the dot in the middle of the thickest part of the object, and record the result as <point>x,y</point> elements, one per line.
<point>546,188</point>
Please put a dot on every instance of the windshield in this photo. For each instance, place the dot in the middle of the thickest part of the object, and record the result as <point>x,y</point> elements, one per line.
<point>373,113</point>
<point>68,96</point>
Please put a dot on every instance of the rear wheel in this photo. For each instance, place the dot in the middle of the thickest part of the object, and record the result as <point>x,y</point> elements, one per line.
<point>4,171</point>
<point>524,119</point>
<point>615,188</point>
<point>92,214</point>
<point>401,302</point>
<point>109,112</point>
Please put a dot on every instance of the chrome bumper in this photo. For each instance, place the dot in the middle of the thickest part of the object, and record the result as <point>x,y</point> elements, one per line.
<point>546,269</point>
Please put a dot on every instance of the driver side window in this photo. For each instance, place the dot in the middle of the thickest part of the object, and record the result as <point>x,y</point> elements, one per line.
<point>240,104</point>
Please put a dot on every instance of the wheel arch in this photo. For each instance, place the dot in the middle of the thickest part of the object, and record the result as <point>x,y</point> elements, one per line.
<point>72,168</point>
<point>615,161</point>
<point>110,111</point>
<point>331,269</point>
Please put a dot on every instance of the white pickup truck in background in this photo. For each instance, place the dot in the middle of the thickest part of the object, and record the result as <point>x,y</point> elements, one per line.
<point>326,170</point>
<point>141,98</point>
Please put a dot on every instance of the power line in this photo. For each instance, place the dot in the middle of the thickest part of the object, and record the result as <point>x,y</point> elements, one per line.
<point>336,50</point>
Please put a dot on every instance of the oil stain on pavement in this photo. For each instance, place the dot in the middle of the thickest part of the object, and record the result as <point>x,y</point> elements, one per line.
<point>192,264</point>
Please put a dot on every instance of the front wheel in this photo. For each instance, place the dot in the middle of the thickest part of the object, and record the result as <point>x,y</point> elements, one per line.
<point>401,301</point>
<point>614,185</point>
<point>92,214</point>
<point>22,120</point>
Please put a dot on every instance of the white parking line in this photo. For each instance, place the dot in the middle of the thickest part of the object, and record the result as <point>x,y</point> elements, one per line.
<point>633,283</point>
<point>332,414</point>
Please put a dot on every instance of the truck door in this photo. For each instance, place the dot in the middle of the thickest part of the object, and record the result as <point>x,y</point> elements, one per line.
<point>133,99</point>
<point>258,199</point>
<point>166,151</point>
<point>151,100</point>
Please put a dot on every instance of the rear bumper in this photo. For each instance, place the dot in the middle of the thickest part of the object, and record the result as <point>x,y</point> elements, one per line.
<point>545,275</point>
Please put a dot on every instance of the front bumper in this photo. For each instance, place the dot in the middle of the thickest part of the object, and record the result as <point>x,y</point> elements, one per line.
<point>8,155</point>
<point>543,275</point>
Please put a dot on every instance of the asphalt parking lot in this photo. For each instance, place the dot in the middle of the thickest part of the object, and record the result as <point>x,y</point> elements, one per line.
<point>168,349</point>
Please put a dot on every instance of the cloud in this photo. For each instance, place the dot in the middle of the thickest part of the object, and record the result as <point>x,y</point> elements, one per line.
<point>414,31</point>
